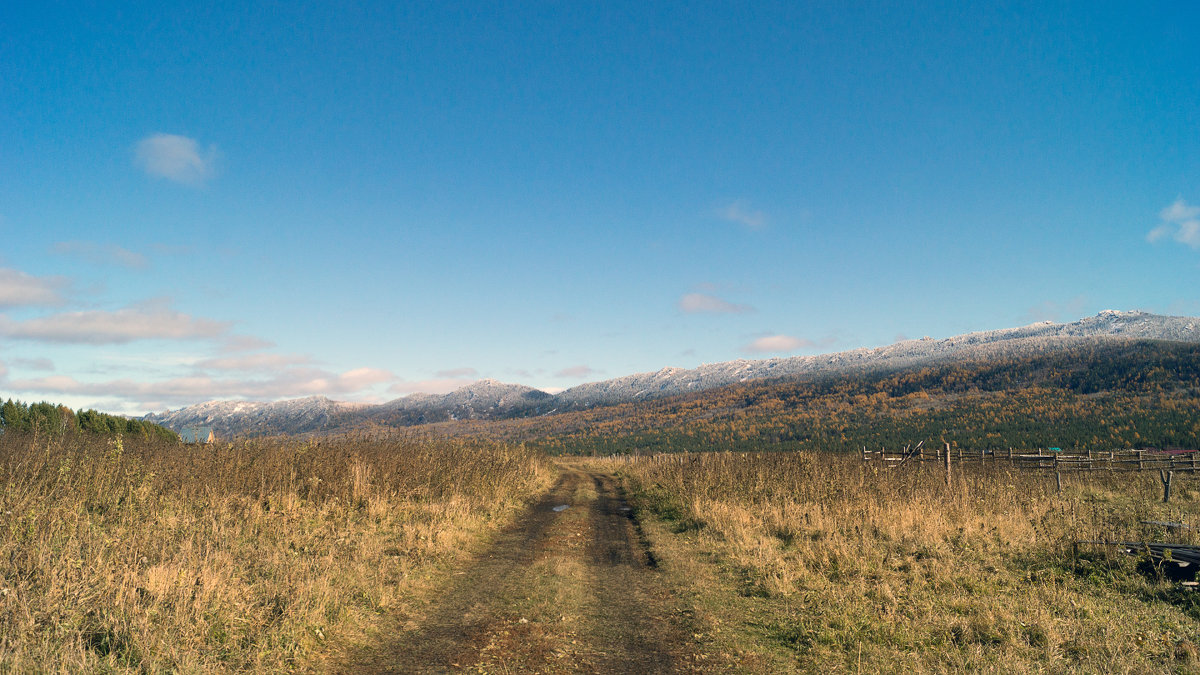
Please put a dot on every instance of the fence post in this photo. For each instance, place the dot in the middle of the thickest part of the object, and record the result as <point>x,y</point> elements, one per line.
<point>947,465</point>
<point>1057,475</point>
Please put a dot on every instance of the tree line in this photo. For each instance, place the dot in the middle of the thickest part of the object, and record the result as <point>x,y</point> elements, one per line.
<point>52,419</point>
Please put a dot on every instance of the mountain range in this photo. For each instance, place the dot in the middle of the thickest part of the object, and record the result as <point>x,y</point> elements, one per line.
<point>489,399</point>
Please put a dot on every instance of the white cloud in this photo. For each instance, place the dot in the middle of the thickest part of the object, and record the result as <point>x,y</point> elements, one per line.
<point>576,371</point>
<point>361,378</point>
<point>458,372</point>
<point>18,289</point>
<point>176,158</point>
<point>290,383</point>
<point>1189,233</point>
<point>696,303</point>
<point>739,212</point>
<point>254,362</point>
<point>777,344</point>
<point>1181,222</point>
<point>102,254</point>
<point>151,321</point>
<point>1179,212</point>
<point>1159,233</point>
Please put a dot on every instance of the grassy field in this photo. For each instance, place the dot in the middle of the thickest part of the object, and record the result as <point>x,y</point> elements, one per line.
<point>263,556</point>
<point>820,562</point>
<point>279,555</point>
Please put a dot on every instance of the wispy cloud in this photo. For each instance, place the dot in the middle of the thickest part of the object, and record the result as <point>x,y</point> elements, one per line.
<point>34,364</point>
<point>741,213</point>
<point>443,382</point>
<point>252,362</point>
<point>576,371</point>
<point>361,378</point>
<point>1179,221</point>
<point>701,303</point>
<point>101,254</point>
<point>777,344</point>
<point>442,385</point>
<point>18,289</point>
<point>176,158</point>
<point>150,321</point>
<point>290,383</point>
<point>1179,212</point>
<point>244,343</point>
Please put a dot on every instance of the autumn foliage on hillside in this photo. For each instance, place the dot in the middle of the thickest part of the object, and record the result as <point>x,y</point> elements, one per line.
<point>1142,394</point>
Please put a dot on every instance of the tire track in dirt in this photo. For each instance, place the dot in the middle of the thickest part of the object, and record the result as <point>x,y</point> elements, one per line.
<point>561,591</point>
<point>623,596</point>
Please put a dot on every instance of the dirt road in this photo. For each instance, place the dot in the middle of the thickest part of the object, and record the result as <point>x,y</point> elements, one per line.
<point>570,588</point>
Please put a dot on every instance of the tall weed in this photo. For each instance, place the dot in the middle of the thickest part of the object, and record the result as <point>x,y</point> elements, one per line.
<point>127,555</point>
<point>895,570</point>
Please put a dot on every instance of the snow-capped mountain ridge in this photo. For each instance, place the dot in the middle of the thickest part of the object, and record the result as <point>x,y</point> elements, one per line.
<point>299,415</point>
<point>491,399</point>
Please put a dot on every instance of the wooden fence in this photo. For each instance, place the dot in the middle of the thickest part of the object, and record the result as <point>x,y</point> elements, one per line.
<point>1090,460</point>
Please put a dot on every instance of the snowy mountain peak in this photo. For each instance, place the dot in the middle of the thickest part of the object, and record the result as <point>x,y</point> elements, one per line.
<point>490,399</point>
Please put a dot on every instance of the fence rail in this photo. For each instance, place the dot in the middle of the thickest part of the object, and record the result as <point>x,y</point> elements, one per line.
<point>1187,461</point>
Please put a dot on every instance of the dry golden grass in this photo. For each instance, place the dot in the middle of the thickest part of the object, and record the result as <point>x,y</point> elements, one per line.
<point>260,556</point>
<point>853,567</point>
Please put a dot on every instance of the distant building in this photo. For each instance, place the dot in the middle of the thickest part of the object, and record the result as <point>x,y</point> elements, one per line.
<point>203,435</point>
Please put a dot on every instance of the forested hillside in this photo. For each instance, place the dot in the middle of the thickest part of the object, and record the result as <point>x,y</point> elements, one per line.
<point>1137,394</point>
<point>58,419</point>
<point>492,400</point>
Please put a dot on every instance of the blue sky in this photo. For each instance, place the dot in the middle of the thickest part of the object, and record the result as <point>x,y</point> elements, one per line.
<point>251,200</point>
